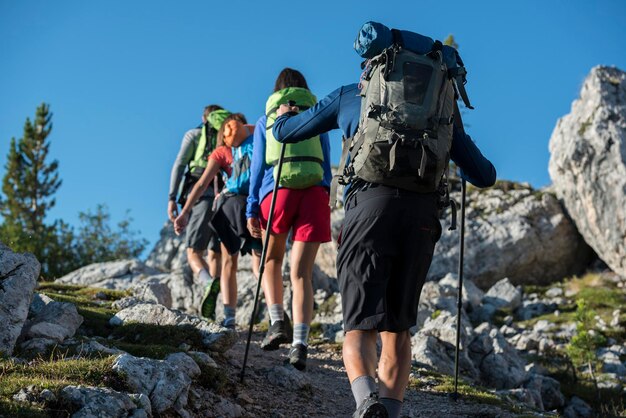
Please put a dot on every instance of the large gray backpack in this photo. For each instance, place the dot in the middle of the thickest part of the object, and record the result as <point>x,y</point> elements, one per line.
<point>405,127</point>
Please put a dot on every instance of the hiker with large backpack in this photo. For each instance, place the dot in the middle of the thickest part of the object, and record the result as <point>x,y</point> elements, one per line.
<point>232,155</point>
<point>401,129</point>
<point>301,207</point>
<point>191,160</point>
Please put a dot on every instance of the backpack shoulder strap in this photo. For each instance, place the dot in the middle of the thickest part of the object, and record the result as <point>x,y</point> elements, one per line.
<point>342,166</point>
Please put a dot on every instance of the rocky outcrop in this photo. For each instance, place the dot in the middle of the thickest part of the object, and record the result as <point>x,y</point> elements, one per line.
<point>50,322</point>
<point>18,278</point>
<point>165,382</point>
<point>168,253</point>
<point>588,164</point>
<point>120,274</point>
<point>522,234</point>
<point>214,337</point>
<point>105,402</point>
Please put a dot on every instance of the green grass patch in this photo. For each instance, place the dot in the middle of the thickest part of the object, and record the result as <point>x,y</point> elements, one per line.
<point>95,311</point>
<point>214,379</point>
<point>328,306</point>
<point>149,334</point>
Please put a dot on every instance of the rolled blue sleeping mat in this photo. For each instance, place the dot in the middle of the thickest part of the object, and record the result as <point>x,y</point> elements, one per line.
<point>374,37</point>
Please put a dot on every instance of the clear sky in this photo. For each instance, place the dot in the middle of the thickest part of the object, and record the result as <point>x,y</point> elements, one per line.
<point>126,79</point>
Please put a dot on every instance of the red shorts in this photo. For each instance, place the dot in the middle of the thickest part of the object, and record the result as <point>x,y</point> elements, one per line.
<point>306,210</point>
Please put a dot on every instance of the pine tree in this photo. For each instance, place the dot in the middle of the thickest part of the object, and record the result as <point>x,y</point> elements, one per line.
<point>29,185</point>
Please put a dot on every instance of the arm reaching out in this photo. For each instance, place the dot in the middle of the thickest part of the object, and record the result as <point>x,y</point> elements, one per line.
<point>180,223</point>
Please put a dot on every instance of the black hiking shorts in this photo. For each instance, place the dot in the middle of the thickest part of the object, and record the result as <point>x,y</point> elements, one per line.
<point>385,249</point>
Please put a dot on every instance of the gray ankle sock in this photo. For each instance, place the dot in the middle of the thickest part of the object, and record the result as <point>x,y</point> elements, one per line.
<point>276,312</point>
<point>362,387</point>
<point>393,406</point>
<point>229,312</point>
<point>300,334</point>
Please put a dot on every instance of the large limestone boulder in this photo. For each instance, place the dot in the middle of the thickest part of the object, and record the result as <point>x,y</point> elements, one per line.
<point>120,274</point>
<point>51,320</point>
<point>165,382</point>
<point>168,253</point>
<point>18,278</point>
<point>588,164</point>
<point>521,233</point>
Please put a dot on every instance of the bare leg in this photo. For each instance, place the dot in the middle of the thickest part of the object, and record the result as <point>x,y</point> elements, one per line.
<point>214,261</point>
<point>196,260</point>
<point>395,364</point>
<point>302,261</point>
<point>228,281</point>
<point>273,275</point>
<point>359,353</point>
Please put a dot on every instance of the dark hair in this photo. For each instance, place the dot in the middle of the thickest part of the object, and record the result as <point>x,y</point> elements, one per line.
<point>220,134</point>
<point>210,108</point>
<point>289,77</point>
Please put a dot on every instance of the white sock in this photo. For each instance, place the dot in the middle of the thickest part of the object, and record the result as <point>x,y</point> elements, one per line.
<point>300,334</point>
<point>276,312</point>
<point>204,276</point>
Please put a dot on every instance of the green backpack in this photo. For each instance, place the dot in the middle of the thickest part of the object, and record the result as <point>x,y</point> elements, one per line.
<point>303,161</point>
<point>207,140</point>
<point>405,127</point>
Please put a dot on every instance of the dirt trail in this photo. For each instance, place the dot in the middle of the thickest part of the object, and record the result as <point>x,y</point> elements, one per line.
<point>329,394</point>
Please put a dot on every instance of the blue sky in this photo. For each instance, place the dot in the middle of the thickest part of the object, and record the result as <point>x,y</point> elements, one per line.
<point>126,79</point>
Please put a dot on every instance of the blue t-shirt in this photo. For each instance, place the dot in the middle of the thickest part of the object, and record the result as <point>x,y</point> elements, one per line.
<point>341,110</point>
<point>262,174</point>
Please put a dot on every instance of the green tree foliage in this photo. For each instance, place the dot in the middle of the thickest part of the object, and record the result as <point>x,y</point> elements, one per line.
<point>97,241</point>
<point>582,348</point>
<point>28,187</point>
<point>450,41</point>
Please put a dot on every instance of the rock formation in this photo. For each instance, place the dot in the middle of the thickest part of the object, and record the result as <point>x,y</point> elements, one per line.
<point>18,278</point>
<point>588,164</point>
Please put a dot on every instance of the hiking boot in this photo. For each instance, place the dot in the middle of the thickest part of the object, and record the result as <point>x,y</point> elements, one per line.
<point>209,300</point>
<point>371,408</point>
<point>297,356</point>
<point>229,323</point>
<point>280,332</point>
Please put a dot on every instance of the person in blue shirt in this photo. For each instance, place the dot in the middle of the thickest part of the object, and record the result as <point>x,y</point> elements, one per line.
<point>384,251</point>
<point>303,211</point>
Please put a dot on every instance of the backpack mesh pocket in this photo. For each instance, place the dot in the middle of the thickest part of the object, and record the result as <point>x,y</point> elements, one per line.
<point>416,80</point>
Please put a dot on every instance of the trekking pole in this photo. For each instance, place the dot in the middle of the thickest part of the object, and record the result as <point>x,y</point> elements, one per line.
<point>263,255</point>
<point>460,293</point>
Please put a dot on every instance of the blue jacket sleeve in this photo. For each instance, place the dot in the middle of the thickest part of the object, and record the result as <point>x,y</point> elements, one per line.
<point>319,119</point>
<point>257,168</point>
<point>475,168</point>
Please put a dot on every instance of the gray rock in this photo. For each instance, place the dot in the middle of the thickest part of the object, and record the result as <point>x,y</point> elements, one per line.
<point>98,402</point>
<point>38,345</point>
<point>18,278</point>
<point>434,345</point>
<point>288,377</point>
<point>500,365</point>
<point>214,337</point>
<point>93,346</point>
<point>26,395</point>
<point>503,295</point>
<point>120,274</point>
<point>554,292</point>
<point>213,405</point>
<point>529,397</point>
<point>168,253</point>
<point>577,408</point>
<point>472,295</point>
<point>165,382</point>
<point>588,164</point>
<point>153,290</point>
<point>47,396</point>
<point>54,321</point>
<point>203,358</point>
<point>522,234</point>
<point>549,388</point>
